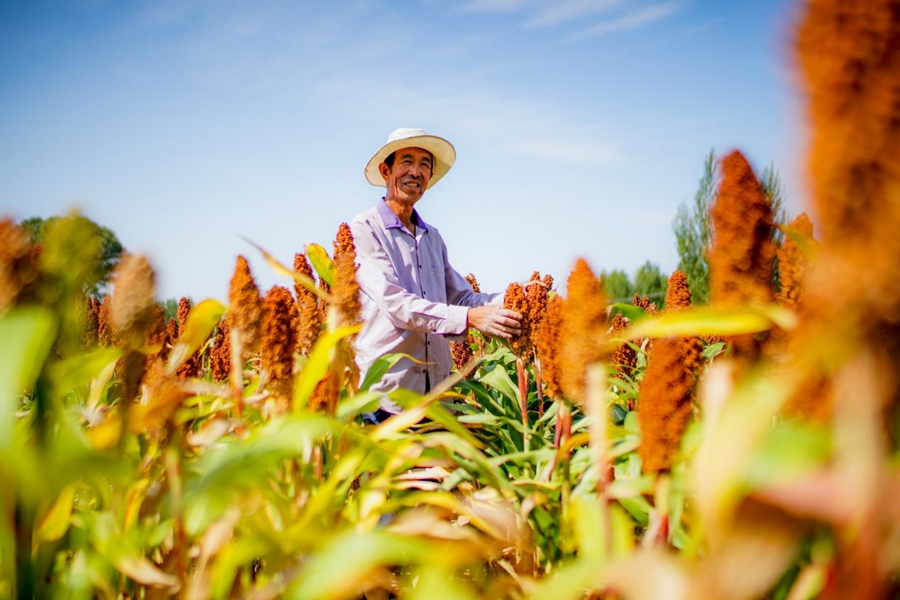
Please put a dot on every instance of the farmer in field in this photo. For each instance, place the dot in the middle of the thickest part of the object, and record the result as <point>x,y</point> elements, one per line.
<point>413,301</point>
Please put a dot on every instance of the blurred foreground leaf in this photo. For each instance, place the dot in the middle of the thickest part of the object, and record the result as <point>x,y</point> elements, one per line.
<point>27,335</point>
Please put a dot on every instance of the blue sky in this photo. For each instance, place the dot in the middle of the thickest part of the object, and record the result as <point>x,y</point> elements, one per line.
<point>580,125</point>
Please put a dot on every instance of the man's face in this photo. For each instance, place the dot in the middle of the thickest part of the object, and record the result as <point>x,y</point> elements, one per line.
<point>409,176</point>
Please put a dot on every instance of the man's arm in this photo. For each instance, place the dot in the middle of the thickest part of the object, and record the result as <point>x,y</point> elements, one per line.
<point>486,312</point>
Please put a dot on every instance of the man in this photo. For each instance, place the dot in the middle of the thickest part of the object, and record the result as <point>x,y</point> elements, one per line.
<point>413,301</point>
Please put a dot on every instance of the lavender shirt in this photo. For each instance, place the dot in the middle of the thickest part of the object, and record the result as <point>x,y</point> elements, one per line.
<point>413,301</point>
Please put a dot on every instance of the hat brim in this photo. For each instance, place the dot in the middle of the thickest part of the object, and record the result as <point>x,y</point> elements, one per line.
<point>443,152</point>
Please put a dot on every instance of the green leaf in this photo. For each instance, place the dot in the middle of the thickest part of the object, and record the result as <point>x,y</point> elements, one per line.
<point>318,363</point>
<point>27,335</point>
<point>279,268</point>
<point>321,262</point>
<point>500,380</point>
<point>630,311</point>
<point>344,564</point>
<point>382,366</point>
<point>54,523</point>
<point>201,322</point>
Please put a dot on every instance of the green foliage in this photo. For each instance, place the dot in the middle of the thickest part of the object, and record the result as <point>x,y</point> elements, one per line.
<point>109,248</point>
<point>649,281</point>
<point>617,286</point>
<point>692,232</point>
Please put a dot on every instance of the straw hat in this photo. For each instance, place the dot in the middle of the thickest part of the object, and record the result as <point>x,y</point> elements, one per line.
<point>406,137</point>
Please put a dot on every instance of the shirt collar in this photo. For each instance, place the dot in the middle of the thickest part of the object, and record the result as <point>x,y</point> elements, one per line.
<point>392,221</point>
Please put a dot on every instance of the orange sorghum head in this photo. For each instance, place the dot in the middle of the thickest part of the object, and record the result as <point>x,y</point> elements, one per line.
<point>536,299</point>
<point>462,354</point>
<point>547,343</point>
<point>16,265</point>
<point>515,300</point>
<point>91,322</point>
<point>277,350</point>
<point>664,404</point>
<point>678,294</point>
<point>742,253</point>
<point>849,56</point>
<point>245,308</point>
<point>346,289</point>
<point>220,354</point>
<point>193,365</point>
<point>157,334</point>
<point>792,264</point>
<point>583,330</point>
<point>132,299</point>
<point>184,310</point>
<point>740,261</point>
<point>309,317</point>
<point>644,303</point>
<point>474,283</point>
<point>106,335</point>
<point>624,358</point>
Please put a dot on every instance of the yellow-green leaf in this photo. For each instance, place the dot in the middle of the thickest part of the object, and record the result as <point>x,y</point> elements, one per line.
<point>317,365</point>
<point>54,523</point>
<point>201,322</point>
<point>706,320</point>
<point>321,262</point>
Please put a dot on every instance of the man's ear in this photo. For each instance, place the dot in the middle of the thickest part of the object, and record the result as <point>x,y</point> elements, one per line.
<point>384,170</point>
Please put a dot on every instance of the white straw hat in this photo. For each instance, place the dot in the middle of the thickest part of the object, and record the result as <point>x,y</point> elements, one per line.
<point>406,137</point>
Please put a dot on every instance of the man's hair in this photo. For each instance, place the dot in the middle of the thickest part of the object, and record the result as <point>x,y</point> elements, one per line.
<point>389,159</point>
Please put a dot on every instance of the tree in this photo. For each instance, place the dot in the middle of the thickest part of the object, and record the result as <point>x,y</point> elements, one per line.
<point>616,286</point>
<point>650,281</point>
<point>692,225</point>
<point>770,181</point>
<point>110,246</point>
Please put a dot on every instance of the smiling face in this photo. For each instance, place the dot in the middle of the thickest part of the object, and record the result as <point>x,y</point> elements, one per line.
<point>408,176</point>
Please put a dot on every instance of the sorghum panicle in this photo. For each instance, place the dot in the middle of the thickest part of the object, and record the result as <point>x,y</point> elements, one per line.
<point>132,299</point>
<point>849,57</point>
<point>537,295</point>
<point>792,264</point>
<point>515,300</point>
<point>193,365</point>
<point>106,335</point>
<point>548,346</point>
<point>346,289</point>
<point>583,331</point>
<point>157,333</point>
<point>91,322</point>
<point>624,358</point>
<point>664,404</point>
<point>309,318</point>
<point>277,351</point>
<point>462,354</point>
<point>644,303</point>
<point>742,253</point>
<point>220,353</point>
<point>16,265</point>
<point>474,283</point>
<point>678,297</point>
<point>245,308</point>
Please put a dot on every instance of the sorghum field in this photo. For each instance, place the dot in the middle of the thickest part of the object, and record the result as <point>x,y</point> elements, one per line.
<point>743,449</point>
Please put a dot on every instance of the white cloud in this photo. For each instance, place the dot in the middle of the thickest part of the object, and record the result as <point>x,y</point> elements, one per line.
<point>567,10</point>
<point>495,6</point>
<point>630,21</point>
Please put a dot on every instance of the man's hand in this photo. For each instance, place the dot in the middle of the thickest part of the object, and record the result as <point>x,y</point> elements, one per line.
<point>495,320</point>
